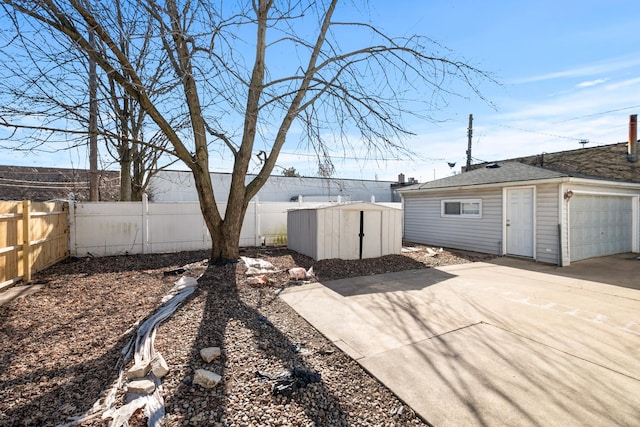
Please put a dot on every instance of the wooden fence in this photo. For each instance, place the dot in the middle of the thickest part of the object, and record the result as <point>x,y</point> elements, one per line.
<point>33,236</point>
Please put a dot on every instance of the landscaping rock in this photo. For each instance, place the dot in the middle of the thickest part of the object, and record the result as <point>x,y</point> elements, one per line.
<point>139,370</point>
<point>141,386</point>
<point>210,353</point>
<point>206,379</point>
<point>260,340</point>
<point>299,273</point>
<point>258,280</point>
<point>159,366</point>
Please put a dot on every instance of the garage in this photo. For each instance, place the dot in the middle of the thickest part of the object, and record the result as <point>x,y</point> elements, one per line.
<point>600,225</point>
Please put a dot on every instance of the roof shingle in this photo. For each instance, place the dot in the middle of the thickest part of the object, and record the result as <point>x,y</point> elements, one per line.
<point>492,174</point>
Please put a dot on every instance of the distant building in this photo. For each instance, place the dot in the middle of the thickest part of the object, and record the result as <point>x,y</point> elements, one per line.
<point>178,186</point>
<point>42,184</point>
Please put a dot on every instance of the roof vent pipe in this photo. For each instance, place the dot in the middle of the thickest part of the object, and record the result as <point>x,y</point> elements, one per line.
<point>632,149</point>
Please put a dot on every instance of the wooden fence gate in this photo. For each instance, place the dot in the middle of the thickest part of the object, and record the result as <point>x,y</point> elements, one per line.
<point>33,236</point>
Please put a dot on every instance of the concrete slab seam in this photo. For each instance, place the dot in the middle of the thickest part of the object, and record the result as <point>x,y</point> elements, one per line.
<point>562,351</point>
<point>427,339</point>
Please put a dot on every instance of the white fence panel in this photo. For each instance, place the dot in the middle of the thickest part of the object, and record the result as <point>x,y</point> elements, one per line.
<point>101,229</point>
<point>249,234</point>
<point>175,227</point>
<point>272,220</point>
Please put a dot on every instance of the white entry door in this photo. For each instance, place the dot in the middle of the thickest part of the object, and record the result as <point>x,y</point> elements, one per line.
<point>519,222</point>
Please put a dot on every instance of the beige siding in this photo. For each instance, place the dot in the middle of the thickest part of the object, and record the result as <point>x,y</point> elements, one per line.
<point>423,223</point>
<point>392,231</point>
<point>547,224</point>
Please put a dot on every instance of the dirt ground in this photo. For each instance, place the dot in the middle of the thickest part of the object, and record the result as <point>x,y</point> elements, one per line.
<point>59,348</point>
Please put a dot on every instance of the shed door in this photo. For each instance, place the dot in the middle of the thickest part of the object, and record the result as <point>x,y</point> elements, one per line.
<point>372,241</point>
<point>348,239</point>
<point>519,222</point>
<point>599,226</point>
<point>351,243</point>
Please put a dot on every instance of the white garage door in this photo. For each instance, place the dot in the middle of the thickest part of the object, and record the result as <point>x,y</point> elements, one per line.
<point>599,226</point>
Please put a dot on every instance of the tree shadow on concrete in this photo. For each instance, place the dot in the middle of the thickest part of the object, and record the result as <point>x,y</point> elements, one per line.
<point>480,374</point>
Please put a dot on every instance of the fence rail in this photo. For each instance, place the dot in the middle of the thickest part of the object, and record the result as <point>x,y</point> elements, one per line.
<point>33,236</point>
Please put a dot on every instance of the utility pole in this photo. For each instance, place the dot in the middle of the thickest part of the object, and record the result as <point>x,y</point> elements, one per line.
<point>94,194</point>
<point>469,135</point>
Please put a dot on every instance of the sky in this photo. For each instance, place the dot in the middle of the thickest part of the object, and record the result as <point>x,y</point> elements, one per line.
<point>568,71</point>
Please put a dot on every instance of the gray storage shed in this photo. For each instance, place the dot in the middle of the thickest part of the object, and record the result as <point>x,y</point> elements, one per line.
<point>347,231</point>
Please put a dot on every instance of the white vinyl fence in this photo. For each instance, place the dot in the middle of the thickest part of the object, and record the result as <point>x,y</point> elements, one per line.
<point>118,228</point>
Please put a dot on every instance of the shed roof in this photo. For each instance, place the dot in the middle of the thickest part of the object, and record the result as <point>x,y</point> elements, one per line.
<point>492,174</point>
<point>347,205</point>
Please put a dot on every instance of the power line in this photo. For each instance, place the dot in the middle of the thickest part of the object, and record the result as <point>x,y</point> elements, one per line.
<point>596,114</point>
<point>69,185</point>
<point>44,182</point>
<point>562,121</point>
<point>361,158</point>
<point>541,133</point>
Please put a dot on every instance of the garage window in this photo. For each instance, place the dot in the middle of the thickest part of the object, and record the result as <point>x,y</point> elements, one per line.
<point>466,208</point>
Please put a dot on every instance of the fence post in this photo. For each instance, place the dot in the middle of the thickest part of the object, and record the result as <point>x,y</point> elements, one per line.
<point>256,213</point>
<point>26,246</point>
<point>145,223</point>
<point>72,225</point>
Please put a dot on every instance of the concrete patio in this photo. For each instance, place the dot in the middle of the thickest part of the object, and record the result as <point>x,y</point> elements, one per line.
<point>506,343</point>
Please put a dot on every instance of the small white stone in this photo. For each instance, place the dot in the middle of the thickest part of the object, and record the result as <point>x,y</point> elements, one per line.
<point>206,379</point>
<point>210,353</point>
<point>159,366</point>
<point>139,370</point>
<point>141,386</point>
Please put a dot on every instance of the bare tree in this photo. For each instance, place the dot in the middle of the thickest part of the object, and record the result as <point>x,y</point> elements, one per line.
<point>138,155</point>
<point>244,73</point>
<point>42,91</point>
<point>47,107</point>
<point>291,172</point>
<point>94,195</point>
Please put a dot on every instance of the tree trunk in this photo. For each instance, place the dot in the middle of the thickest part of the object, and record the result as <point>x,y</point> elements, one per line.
<point>94,193</point>
<point>137,180</point>
<point>125,173</point>
<point>138,166</point>
<point>229,239</point>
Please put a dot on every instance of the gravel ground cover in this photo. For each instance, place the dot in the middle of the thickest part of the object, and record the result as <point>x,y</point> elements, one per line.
<point>60,346</point>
